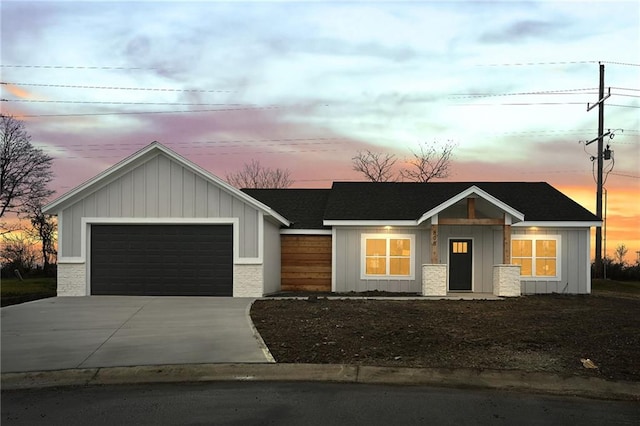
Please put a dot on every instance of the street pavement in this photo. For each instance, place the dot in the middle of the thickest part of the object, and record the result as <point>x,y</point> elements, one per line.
<point>106,331</point>
<point>265,403</point>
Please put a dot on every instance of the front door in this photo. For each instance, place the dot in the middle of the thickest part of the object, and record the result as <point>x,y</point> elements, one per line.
<point>460,264</point>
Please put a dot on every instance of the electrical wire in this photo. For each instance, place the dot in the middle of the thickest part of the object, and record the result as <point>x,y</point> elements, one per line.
<point>152,89</point>
<point>78,67</point>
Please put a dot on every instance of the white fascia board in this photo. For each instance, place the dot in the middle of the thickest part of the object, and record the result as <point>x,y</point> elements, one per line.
<point>370,223</point>
<point>305,232</point>
<point>466,193</point>
<point>557,224</point>
<point>147,151</point>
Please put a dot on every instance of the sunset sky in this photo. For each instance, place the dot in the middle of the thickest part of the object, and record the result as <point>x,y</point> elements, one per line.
<point>304,85</point>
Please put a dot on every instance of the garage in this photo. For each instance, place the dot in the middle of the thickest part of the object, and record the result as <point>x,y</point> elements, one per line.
<point>161,260</point>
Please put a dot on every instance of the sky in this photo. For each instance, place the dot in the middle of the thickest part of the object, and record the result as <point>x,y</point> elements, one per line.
<point>305,85</point>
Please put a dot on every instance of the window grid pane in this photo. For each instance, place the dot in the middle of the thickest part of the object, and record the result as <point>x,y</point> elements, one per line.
<point>388,256</point>
<point>376,247</point>
<point>376,266</point>
<point>536,257</point>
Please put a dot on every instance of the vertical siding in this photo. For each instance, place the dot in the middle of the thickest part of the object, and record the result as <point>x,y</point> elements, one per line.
<point>349,261</point>
<point>574,258</point>
<point>202,195</point>
<point>188,194</point>
<point>272,259</point>
<point>164,182</point>
<point>152,188</point>
<point>175,187</point>
<point>125,187</point>
<point>156,188</point>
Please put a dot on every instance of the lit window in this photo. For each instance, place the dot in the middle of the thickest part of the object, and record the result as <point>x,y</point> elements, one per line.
<point>387,256</point>
<point>460,247</point>
<point>537,255</point>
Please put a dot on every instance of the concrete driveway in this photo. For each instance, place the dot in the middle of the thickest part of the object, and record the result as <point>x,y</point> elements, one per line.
<point>108,331</point>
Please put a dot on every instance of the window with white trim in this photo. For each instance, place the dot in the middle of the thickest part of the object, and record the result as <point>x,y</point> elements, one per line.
<point>537,255</point>
<point>387,256</point>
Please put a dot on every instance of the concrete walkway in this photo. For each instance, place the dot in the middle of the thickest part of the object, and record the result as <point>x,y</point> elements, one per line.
<point>108,331</point>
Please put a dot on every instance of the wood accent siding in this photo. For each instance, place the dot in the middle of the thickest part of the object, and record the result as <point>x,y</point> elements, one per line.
<point>306,262</point>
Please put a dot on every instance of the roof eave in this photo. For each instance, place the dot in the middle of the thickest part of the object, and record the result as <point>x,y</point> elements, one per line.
<point>370,223</point>
<point>559,224</point>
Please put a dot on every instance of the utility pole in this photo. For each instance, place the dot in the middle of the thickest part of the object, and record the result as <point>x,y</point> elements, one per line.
<point>600,163</point>
<point>600,160</point>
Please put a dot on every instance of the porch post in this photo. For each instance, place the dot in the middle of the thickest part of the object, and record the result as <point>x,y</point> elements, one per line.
<point>434,240</point>
<point>506,240</point>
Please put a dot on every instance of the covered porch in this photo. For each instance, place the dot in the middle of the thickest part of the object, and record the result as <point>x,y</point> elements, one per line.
<point>460,233</point>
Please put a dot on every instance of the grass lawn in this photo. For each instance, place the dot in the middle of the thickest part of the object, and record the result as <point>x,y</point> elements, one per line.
<point>600,286</point>
<point>13,291</point>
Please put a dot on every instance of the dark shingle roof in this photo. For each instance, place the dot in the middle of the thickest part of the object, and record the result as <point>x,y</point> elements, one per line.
<point>303,207</point>
<point>307,208</point>
<point>538,201</point>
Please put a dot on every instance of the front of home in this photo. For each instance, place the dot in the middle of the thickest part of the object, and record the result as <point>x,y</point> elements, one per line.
<point>157,224</point>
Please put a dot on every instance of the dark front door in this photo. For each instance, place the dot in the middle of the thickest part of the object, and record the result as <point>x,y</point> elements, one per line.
<point>460,264</point>
<point>162,260</point>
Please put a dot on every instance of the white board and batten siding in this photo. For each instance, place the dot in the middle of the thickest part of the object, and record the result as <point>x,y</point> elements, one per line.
<point>159,188</point>
<point>271,258</point>
<point>348,260</point>
<point>574,258</point>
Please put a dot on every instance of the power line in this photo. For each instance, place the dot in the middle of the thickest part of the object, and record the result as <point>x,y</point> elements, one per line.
<point>521,64</point>
<point>77,67</point>
<point>92,114</point>
<point>542,92</point>
<point>217,153</point>
<point>625,175</point>
<point>153,89</point>
<point>207,144</point>
<point>117,102</point>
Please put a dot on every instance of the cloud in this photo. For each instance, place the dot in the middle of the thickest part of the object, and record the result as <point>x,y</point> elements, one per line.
<point>520,31</point>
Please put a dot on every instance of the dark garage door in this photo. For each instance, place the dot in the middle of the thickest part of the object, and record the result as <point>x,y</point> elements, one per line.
<point>162,260</point>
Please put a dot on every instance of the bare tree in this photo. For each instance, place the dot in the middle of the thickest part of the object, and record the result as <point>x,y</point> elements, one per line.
<point>254,175</point>
<point>43,228</point>
<point>375,166</point>
<point>620,253</point>
<point>25,171</point>
<point>18,253</point>
<point>432,161</point>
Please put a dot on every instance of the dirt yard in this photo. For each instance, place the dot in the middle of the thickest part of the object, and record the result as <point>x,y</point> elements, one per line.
<point>549,333</point>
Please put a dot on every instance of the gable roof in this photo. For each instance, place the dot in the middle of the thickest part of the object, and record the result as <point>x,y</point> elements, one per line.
<point>134,160</point>
<point>388,201</point>
<point>409,203</point>
<point>303,207</point>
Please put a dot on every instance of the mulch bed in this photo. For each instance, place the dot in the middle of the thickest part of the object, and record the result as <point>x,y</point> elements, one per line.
<point>535,333</point>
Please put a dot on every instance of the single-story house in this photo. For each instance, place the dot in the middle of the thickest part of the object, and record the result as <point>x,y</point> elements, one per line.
<point>157,224</point>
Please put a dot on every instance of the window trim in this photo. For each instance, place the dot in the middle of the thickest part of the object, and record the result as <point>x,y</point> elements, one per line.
<point>533,238</point>
<point>387,276</point>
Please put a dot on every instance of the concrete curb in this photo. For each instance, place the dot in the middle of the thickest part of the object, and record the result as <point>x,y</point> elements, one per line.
<point>536,382</point>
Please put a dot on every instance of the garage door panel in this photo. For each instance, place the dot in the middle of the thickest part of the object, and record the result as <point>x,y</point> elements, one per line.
<point>162,260</point>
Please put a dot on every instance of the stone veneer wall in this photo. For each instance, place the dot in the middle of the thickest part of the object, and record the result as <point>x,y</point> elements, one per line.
<point>506,280</point>
<point>434,280</point>
<point>247,280</point>
<point>72,279</point>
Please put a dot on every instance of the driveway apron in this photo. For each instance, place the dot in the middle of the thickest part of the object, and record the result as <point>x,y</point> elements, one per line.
<point>108,331</point>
